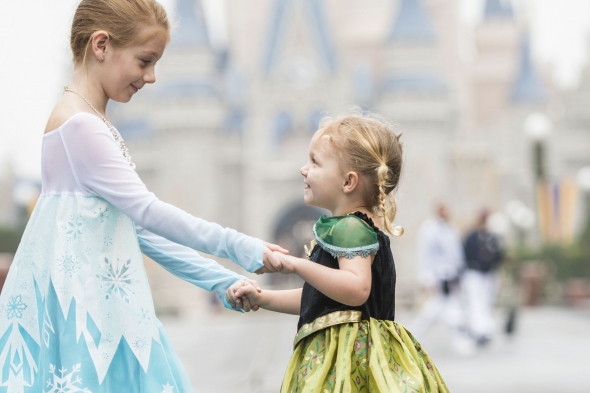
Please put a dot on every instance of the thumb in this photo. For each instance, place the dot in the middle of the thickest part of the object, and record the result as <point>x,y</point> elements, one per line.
<point>275,247</point>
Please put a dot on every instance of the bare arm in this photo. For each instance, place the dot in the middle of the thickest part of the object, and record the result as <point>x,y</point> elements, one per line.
<point>286,302</point>
<point>350,285</point>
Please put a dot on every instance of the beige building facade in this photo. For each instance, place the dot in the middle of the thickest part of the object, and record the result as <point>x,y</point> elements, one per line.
<point>224,131</point>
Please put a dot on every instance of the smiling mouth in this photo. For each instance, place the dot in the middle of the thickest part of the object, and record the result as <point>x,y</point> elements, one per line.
<point>136,88</point>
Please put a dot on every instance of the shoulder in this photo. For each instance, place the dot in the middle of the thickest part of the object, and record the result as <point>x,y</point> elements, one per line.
<point>67,114</point>
<point>346,236</point>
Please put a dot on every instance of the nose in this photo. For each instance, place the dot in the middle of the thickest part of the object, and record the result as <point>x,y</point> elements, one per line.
<point>303,170</point>
<point>150,76</point>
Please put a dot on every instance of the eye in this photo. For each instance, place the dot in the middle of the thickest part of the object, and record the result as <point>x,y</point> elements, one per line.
<point>146,61</point>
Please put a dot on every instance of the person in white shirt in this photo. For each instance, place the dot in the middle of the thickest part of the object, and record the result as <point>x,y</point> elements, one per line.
<point>440,263</point>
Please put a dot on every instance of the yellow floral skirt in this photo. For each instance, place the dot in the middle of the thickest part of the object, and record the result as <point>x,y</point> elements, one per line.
<point>367,356</point>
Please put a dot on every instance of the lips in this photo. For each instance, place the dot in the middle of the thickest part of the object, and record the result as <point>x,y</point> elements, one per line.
<point>135,88</point>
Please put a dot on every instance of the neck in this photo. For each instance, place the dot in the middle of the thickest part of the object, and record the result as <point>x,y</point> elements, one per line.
<point>90,89</point>
<point>351,208</point>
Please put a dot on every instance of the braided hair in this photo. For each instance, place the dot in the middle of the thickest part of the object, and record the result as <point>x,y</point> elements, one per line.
<point>367,144</point>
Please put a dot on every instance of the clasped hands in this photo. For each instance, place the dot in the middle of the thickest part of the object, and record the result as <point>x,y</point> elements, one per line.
<point>244,294</point>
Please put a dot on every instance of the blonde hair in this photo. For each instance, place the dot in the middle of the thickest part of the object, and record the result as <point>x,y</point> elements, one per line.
<point>122,19</point>
<point>368,145</point>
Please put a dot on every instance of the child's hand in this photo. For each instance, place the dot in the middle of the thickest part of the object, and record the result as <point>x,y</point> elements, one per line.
<point>287,266</point>
<point>271,263</point>
<point>249,294</point>
<point>239,302</point>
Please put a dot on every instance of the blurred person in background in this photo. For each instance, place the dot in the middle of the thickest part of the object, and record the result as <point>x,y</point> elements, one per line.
<point>483,255</point>
<point>440,263</point>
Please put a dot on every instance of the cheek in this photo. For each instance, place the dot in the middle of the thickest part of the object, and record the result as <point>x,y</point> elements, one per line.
<point>126,70</point>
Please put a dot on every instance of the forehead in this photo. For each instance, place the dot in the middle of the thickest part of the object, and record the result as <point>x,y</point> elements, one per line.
<point>153,41</point>
<point>320,141</point>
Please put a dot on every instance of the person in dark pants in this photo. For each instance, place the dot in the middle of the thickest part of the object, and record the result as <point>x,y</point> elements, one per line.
<point>483,256</point>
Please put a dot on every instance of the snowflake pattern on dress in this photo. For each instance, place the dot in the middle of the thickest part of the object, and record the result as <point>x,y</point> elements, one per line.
<point>144,317</point>
<point>74,228</point>
<point>140,344</point>
<point>27,255</point>
<point>167,388</point>
<point>68,264</point>
<point>117,278</point>
<point>88,251</point>
<point>67,383</point>
<point>108,240</point>
<point>102,213</point>
<point>15,307</point>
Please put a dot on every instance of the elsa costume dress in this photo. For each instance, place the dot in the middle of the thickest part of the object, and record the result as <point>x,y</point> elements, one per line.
<point>76,312</point>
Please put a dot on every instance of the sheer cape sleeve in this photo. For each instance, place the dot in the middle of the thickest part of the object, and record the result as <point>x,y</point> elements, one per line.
<point>100,169</point>
<point>346,236</point>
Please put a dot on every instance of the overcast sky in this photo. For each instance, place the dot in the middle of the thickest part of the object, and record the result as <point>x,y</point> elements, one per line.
<point>35,57</point>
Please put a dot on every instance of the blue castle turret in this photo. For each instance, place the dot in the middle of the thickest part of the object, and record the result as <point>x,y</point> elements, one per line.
<point>281,19</point>
<point>192,29</point>
<point>498,9</point>
<point>527,86</point>
<point>412,23</point>
<point>414,34</point>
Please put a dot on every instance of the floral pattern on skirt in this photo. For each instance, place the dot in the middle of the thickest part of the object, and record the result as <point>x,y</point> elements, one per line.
<point>372,356</point>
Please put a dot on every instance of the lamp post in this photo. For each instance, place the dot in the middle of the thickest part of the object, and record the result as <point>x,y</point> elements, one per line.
<point>583,181</point>
<point>538,127</point>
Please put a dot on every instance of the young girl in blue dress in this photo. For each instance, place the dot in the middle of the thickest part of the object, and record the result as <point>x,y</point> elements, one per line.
<point>347,340</point>
<point>76,312</point>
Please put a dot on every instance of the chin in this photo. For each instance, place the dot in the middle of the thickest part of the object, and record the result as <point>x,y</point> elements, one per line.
<point>123,97</point>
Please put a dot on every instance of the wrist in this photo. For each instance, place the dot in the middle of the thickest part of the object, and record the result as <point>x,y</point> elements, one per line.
<point>262,298</point>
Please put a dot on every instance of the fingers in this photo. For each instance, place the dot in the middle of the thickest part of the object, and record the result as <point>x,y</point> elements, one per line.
<point>245,290</point>
<point>262,270</point>
<point>254,283</point>
<point>229,296</point>
<point>275,247</point>
<point>272,261</point>
<point>246,306</point>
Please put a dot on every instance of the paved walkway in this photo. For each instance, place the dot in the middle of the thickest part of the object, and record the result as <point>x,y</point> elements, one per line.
<point>550,353</point>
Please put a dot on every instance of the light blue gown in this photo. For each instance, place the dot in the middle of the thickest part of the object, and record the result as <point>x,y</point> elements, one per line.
<point>76,312</point>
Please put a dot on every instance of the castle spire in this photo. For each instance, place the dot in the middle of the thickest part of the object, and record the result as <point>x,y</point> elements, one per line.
<point>527,87</point>
<point>192,30</point>
<point>315,20</point>
<point>498,9</point>
<point>412,23</point>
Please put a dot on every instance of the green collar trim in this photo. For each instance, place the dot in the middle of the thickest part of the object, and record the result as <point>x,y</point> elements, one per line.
<point>346,236</point>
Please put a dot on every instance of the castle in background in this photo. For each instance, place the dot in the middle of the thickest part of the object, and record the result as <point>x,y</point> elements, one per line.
<point>226,128</point>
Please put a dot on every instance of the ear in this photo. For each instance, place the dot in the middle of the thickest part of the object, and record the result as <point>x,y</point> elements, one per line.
<point>351,181</point>
<point>99,42</point>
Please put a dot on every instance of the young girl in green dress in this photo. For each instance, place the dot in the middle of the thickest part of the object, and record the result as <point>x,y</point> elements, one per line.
<point>347,340</point>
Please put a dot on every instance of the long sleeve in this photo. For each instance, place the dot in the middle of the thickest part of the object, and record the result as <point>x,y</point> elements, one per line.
<point>100,169</point>
<point>187,264</point>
